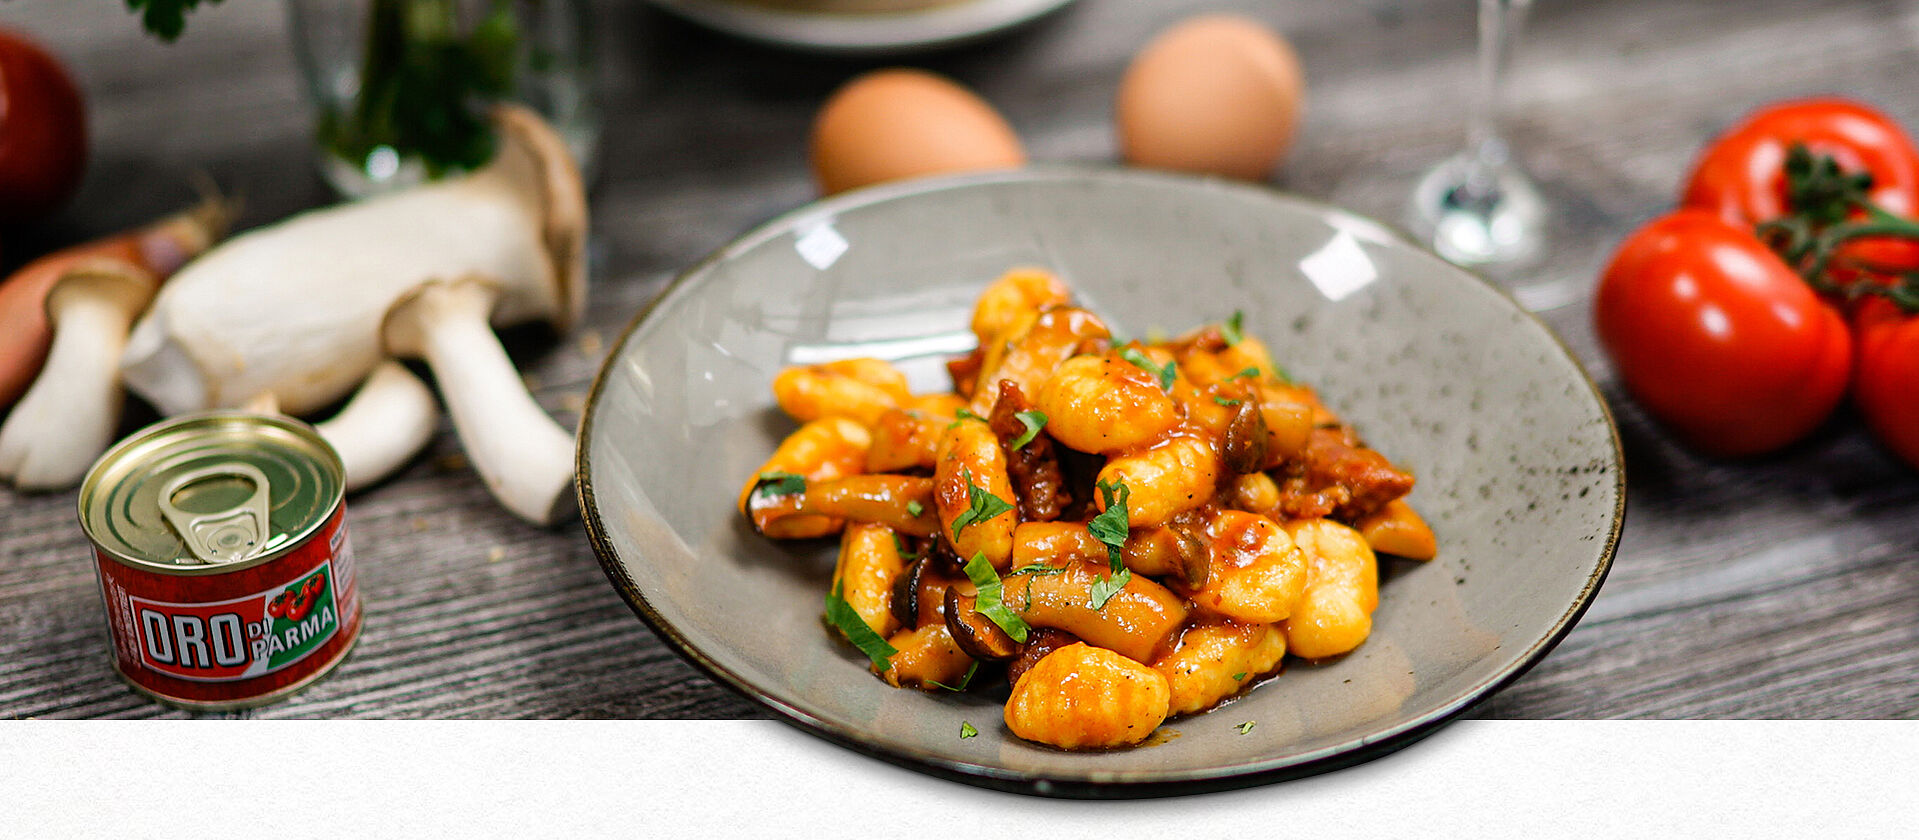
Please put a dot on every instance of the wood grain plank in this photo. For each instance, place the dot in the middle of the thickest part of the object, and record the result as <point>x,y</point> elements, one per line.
<point>1783,587</point>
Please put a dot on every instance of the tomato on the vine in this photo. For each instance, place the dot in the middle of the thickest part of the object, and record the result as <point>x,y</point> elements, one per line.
<point>1886,378</point>
<point>1718,337</point>
<point>1741,174</point>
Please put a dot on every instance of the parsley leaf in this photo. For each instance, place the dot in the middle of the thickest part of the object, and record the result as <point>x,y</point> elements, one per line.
<point>1030,572</point>
<point>1106,587</point>
<point>899,545</point>
<point>1245,727</point>
<point>857,631</point>
<point>967,730</point>
<point>1111,528</point>
<point>987,601</point>
<point>1239,676</point>
<point>1251,371</point>
<point>980,506</point>
<point>915,508</point>
<point>965,680</point>
<point>164,18</point>
<point>963,414</point>
<point>1139,360</point>
<point>1033,421</point>
<point>1229,403</point>
<point>1231,330</point>
<point>776,483</point>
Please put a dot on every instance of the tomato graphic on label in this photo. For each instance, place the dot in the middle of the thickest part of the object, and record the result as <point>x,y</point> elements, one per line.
<point>304,596</point>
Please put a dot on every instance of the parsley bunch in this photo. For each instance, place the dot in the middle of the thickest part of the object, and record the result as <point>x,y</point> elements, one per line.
<point>424,83</point>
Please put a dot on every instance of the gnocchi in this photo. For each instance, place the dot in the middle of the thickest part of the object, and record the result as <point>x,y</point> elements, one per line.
<point>1136,530</point>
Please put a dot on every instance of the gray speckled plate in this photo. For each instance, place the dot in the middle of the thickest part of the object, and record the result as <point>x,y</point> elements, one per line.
<point>1517,459</point>
<point>863,33</point>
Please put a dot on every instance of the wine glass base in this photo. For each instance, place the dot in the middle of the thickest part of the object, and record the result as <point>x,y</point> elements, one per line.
<point>1474,213</point>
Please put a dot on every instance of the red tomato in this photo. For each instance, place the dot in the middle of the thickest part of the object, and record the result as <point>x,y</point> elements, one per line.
<point>1740,175</point>
<point>1886,376</point>
<point>1716,337</point>
<point>43,131</point>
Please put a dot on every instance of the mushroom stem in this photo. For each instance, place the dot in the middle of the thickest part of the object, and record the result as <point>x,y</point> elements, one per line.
<point>524,457</point>
<point>388,421</point>
<point>159,248</point>
<point>68,416</point>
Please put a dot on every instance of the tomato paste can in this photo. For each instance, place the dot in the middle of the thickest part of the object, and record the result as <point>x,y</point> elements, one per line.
<point>221,548</point>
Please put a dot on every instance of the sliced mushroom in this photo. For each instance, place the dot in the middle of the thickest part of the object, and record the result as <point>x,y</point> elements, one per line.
<point>1134,621</point>
<point>1169,551</point>
<point>68,417</point>
<point>975,633</point>
<point>919,593</point>
<point>885,499</point>
<point>1244,447</point>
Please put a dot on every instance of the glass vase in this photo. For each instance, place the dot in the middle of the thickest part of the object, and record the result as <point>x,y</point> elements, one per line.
<point>401,87</point>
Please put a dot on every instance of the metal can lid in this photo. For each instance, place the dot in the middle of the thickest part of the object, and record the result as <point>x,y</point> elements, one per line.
<point>211,493</point>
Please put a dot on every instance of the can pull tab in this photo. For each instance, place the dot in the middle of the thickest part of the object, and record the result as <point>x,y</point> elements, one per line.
<point>220,512</point>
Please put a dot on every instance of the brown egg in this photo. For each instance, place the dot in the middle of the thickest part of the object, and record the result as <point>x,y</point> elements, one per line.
<point>1217,94</point>
<point>899,123</point>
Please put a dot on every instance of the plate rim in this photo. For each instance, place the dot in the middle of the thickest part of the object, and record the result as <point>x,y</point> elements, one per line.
<point>870,33</point>
<point>1323,760</point>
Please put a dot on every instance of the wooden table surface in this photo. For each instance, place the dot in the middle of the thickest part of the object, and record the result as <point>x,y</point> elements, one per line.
<point>1785,587</point>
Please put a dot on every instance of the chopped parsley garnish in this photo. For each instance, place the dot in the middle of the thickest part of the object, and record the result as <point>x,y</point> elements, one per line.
<point>1030,572</point>
<point>1139,360</point>
<point>980,506</point>
<point>1231,329</point>
<point>987,601</point>
<point>1245,727</point>
<point>1036,570</point>
<point>1105,588</point>
<point>775,483</point>
<point>857,631</point>
<point>965,679</point>
<point>914,507</point>
<point>1251,371</point>
<point>1111,528</point>
<point>1033,421</point>
<point>963,414</point>
<point>1225,401</point>
<point>1239,676</point>
<point>899,545</point>
<point>967,730</point>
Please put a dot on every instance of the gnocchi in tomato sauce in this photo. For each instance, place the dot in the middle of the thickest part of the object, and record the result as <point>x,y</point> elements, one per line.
<point>1122,531</point>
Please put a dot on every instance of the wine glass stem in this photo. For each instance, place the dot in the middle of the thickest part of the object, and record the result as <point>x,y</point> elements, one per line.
<point>1499,24</point>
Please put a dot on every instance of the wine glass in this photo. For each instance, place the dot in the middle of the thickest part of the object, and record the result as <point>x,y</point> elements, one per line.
<point>1478,208</point>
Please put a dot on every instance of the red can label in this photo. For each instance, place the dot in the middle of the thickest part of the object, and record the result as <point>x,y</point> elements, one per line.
<point>242,638</point>
<point>193,640</point>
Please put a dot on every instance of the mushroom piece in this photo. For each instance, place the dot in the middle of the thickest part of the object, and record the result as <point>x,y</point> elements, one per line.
<point>68,417</point>
<point>307,309</point>
<point>389,420</point>
<point>70,310</point>
<point>974,632</point>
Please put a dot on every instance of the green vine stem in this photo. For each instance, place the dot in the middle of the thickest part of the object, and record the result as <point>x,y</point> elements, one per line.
<point>1830,208</point>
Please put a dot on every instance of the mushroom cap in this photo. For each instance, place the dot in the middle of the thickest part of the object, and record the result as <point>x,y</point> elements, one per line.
<point>535,157</point>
